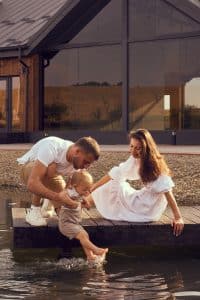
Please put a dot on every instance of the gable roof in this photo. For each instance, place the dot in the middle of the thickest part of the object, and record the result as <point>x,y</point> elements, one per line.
<point>191,8</point>
<point>38,25</point>
<point>20,20</point>
<point>25,24</point>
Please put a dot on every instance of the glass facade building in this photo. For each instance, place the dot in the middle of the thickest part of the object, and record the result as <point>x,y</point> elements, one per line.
<point>136,64</point>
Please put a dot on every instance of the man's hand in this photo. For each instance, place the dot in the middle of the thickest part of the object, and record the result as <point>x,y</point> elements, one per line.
<point>65,199</point>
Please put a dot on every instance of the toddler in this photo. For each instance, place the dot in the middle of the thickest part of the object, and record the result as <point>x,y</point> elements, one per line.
<point>69,219</point>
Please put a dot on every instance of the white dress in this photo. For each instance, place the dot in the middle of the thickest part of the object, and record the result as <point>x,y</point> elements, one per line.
<point>117,200</point>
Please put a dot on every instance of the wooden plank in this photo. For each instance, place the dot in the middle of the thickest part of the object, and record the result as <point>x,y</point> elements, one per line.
<point>196,210</point>
<point>188,213</point>
<point>94,215</point>
<point>105,233</point>
<point>165,219</point>
<point>87,220</point>
<point>169,214</point>
<point>18,217</point>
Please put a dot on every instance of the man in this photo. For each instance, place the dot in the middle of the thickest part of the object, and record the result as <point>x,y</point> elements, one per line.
<point>35,171</point>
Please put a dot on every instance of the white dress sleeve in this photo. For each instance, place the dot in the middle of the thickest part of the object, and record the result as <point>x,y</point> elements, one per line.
<point>162,184</point>
<point>126,170</point>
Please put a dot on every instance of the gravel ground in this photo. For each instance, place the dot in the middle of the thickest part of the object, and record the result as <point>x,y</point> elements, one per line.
<point>185,169</point>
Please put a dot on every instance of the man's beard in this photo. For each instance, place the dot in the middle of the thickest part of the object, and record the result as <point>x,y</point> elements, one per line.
<point>75,163</point>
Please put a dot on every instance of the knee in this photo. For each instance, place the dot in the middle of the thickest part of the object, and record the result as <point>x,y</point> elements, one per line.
<point>56,184</point>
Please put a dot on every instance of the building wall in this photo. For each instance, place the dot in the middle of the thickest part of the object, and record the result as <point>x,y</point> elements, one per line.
<point>29,85</point>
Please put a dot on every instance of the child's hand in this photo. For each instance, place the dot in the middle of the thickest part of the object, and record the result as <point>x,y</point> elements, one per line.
<point>85,203</point>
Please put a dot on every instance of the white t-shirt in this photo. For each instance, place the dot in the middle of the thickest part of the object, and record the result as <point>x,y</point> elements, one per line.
<point>48,150</point>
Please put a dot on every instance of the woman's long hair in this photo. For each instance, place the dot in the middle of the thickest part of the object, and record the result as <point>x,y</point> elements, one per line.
<point>152,162</point>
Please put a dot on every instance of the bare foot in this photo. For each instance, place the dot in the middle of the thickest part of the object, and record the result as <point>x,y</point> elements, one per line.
<point>100,251</point>
<point>91,256</point>
<point>97,259</point>
<point>100,258</point>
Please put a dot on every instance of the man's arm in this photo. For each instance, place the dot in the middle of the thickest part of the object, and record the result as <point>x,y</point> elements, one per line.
<point>36,186</point>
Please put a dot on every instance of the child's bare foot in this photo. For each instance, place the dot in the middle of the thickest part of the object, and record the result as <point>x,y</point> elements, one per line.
<point>91,257</point>
<point>100,251</point>
<point>95,260</point>
<point>100,258</point>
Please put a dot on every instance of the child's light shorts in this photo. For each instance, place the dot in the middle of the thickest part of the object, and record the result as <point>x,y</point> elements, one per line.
<point>68,223</point>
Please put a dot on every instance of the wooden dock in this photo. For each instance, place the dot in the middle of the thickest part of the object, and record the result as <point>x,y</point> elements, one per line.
<point>109,233</point>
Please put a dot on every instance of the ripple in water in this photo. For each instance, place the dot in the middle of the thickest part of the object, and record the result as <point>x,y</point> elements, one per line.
<point>120,286</point>
<point>78,264</point>
<point>45,278</point>
<point>187,294</point>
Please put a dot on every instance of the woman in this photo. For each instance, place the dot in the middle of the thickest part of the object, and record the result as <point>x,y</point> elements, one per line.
<point>115,199</point>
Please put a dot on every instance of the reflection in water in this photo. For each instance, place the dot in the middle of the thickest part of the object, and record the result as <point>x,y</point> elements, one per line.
<point>36,274</point>
<point>126,286</point>
<point>187,294</point>
<point>42,277</point>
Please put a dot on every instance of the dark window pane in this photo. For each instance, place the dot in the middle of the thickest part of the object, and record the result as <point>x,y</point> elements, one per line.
<point>106,26</point>
<point>164,84</point>
<point>3,99</point>
<point>83,89</point>
<point>191,112</point>
<point>156,18</point>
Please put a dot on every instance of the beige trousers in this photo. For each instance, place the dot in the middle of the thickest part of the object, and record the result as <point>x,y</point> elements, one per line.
<point>56,183</point>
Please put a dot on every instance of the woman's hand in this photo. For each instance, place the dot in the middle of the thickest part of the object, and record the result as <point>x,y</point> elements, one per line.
<point>177,225</point>
<point>102,181</point>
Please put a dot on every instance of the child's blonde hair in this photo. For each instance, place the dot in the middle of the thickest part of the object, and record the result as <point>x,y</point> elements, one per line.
<point>81,177</point>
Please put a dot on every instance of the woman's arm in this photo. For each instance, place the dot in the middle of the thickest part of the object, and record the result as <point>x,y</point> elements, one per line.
<point>100,182</point>
<point>177,222</point>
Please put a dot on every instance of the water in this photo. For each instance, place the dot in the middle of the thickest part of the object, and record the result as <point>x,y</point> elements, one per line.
<point>37,274</point>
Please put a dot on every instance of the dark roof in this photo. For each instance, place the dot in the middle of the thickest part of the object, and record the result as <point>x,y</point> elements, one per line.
<point>20,20</point>
<point>26,24</point>
<point>189,7</point>
<point>39,25</point>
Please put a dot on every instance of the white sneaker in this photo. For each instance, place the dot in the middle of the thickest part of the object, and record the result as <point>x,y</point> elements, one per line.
<point>34,217</point>
<point>47,209</point>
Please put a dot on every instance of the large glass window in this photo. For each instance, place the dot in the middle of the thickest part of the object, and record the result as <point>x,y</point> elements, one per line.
<point>149,19</point>
<point>11,106</point>
<point>83,89</point>
<point>17,106</point>
<point>106,26</point>
<point>3,103</point>
<point>192,104</point>
<point>164,84</point>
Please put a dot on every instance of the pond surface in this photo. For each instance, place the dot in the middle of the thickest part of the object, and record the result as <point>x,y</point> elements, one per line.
<point>38,274</point>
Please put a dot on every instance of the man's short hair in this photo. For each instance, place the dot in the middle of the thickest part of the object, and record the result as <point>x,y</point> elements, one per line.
<point>89,145</point>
